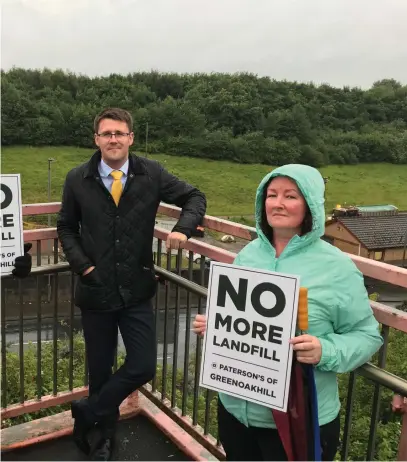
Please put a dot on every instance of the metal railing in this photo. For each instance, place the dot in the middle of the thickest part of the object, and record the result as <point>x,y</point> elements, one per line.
<point>375,374</point>
<point>57,381</point>
<point>174,388</point>
<point>179,297</point>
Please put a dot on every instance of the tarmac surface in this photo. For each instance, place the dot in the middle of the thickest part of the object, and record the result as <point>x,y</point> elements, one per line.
<point>136,439</point>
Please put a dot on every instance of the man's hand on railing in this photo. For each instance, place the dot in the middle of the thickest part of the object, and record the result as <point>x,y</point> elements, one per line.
<point>22,265</point>
<point>199,324</point>
<point>175,240</point>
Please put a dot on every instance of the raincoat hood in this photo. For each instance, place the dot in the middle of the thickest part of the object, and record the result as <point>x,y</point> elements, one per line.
<point>312,186</point>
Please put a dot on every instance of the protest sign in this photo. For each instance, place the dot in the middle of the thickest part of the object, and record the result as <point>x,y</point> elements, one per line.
<point>12,243</point>
<point>251,316</point>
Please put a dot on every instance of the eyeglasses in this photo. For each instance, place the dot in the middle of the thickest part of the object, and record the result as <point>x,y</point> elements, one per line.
<point>108,135</point>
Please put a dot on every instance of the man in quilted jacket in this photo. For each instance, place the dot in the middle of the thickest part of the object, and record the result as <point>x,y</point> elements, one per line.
<point>106,227</point>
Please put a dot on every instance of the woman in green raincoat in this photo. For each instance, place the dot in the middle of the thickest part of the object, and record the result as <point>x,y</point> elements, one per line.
<point>343,333</point>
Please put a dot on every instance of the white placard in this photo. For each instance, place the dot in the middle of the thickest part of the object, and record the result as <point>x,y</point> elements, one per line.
<point>12,242</point>
<point>251,316</point>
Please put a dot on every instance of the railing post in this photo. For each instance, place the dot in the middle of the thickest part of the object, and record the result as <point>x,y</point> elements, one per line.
<point>348,415</point>
<point>376,397</point>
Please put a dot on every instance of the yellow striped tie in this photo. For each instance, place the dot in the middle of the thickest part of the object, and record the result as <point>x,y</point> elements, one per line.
<point>117,187</point>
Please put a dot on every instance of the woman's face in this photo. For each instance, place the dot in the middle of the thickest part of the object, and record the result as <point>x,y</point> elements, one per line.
<point>285,205</point>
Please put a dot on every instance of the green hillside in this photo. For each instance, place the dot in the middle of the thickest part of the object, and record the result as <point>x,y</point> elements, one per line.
<point>230,187</point>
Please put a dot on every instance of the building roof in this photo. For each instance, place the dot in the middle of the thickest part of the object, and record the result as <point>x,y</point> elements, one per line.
<point>377,208</point>
<point>378,232</point>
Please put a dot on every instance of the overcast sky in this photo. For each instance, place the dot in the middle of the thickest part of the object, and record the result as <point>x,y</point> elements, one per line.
<point>340,42</point>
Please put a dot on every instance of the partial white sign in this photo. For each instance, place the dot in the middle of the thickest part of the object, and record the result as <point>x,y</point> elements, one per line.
<point>12,242</point>
<point>251,316</point>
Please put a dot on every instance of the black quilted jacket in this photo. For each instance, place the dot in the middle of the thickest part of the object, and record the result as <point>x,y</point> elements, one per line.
<point>118,240</point>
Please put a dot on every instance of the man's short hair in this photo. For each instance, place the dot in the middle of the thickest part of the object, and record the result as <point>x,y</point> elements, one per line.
<point>115,114</point>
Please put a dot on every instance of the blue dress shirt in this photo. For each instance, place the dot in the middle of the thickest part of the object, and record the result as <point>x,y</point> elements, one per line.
<point>105,171</point>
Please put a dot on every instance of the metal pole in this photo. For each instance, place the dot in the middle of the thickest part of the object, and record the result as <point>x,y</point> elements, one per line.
<point>50,160</point>
<point>49,200</point>
<point>146,139</point>
<point>404,250</point>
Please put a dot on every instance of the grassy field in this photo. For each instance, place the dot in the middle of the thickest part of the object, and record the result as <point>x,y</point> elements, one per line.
<point>230,188</point>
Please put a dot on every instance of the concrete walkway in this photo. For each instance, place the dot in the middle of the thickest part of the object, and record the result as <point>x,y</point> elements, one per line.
<point>137,439</point>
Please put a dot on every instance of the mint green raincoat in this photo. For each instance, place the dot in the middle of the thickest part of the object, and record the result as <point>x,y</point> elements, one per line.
<point>338,306</point>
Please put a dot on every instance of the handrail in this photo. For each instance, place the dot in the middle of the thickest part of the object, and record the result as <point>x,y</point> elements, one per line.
<point>182,282</point>
<point>372,268</point>
<point>44,269</point>
<point>64,266</point>
<point>383,377</point>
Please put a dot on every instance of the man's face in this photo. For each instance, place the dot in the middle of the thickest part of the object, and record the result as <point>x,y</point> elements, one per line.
<point>114,149</point>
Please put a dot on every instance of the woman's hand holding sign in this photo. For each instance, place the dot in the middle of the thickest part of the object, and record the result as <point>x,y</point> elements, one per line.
<point>200,324</point>
<point>308,349</point>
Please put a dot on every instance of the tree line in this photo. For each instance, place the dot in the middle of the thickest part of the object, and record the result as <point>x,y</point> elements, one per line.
<point>238,117</point>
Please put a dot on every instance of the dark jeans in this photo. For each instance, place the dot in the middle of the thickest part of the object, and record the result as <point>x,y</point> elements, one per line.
<point>107,390</point>
<point>255,443</point>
